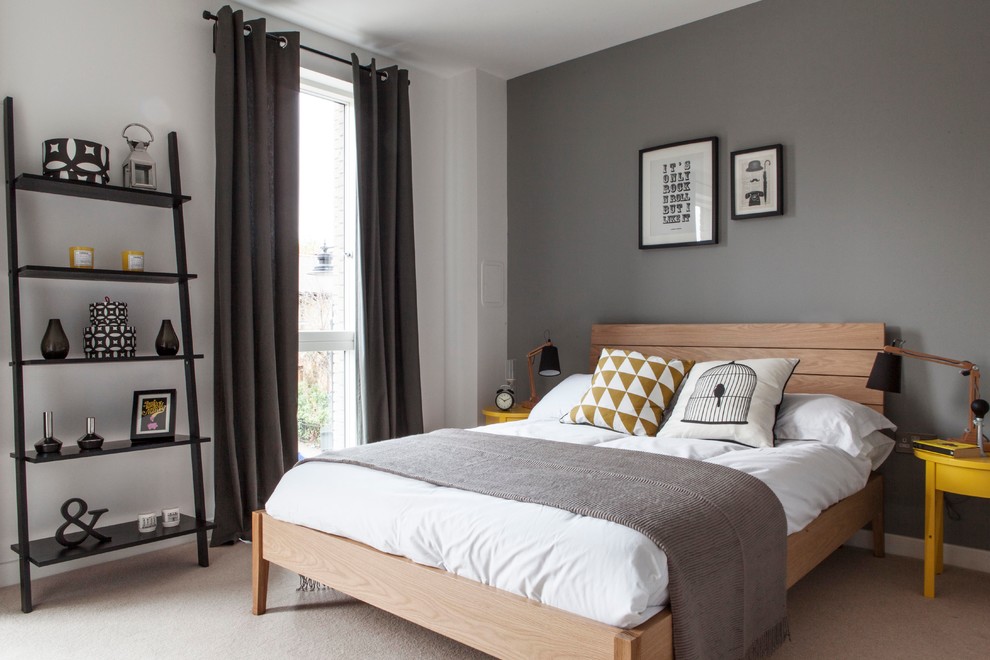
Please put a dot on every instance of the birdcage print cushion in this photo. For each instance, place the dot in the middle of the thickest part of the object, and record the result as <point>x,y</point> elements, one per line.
<point>733,400</point>
<point>629,392</point>
<point>722,395</point>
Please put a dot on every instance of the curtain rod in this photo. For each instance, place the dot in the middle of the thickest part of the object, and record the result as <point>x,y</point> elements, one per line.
<point>212,17</point>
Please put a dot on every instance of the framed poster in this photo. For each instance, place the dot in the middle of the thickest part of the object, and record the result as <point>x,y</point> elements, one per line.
<point>153,415</point>
<point>678,194</point>
<point>758,182</point>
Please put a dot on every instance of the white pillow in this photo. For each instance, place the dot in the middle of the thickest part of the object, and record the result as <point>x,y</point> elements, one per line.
<point>878,447</point>
<point>564,396</point>
<point>832,420</point>
<point>730,400</point>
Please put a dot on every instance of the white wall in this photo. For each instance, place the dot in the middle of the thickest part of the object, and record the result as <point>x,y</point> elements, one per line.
<point>476,233</point>
<point>86,70</point>
<point>460,250</point>
<point>492,241</point>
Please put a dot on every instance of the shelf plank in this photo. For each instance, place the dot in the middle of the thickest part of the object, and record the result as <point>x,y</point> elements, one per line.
<point>70,450</point>
<point>44,552</point>
<point>101,274</point>
<point>85,360</point>
<point>88,190</point>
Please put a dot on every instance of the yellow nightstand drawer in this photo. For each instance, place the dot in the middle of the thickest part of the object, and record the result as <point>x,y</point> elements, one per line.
<point>497,415</point>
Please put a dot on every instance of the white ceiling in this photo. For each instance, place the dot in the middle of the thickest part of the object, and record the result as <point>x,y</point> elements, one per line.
<point>506,38</point>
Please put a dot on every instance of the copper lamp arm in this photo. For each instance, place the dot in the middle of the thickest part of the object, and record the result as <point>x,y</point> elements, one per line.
<point>928,357</point>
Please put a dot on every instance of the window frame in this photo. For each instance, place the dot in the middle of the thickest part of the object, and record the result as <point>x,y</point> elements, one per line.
<point>332,89</point>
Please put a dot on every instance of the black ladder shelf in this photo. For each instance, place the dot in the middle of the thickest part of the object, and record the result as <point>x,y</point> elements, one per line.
<point>46,551</point>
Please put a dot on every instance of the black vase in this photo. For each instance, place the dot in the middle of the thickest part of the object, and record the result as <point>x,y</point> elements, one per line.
<point>167,342</point>
<point>54,345</point>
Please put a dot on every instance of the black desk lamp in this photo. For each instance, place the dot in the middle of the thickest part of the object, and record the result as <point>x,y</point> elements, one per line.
<point>549,366</point>
<point>886,376</point>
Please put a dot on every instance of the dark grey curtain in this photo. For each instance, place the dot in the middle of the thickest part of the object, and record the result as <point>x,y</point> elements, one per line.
<point>389,353</point>
<point>257,268</point>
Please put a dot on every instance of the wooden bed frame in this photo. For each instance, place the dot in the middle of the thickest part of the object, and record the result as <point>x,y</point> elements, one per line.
<point>835,358</point>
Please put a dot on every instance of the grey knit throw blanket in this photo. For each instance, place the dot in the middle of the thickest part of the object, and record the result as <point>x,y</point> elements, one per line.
<point>724,531</point>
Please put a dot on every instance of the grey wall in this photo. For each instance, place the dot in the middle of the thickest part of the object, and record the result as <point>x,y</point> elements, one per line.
<point>881,106</point>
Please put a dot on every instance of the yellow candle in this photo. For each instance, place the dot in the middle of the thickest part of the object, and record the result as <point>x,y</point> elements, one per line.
<point>80,257</point>
<point>132,260</point>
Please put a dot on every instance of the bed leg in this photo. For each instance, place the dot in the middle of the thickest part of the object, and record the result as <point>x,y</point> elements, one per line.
<point>626,647</point>
<point>652,639</point>
<point>878,544</point>
<point>877,526</point>
<point>259,566</point>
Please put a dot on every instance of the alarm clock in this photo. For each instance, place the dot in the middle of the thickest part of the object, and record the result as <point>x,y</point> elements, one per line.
<point>505,398</point>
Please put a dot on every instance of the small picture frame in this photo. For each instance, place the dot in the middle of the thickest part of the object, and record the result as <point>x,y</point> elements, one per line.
<point>678,194</point>
<point>758,182</point>
<point>153,415</point>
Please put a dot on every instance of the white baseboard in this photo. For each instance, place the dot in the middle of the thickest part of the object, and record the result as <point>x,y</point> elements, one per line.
<point>908,546</point>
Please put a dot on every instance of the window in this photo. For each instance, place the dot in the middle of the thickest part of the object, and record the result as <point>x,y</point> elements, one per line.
<point>327,275</point>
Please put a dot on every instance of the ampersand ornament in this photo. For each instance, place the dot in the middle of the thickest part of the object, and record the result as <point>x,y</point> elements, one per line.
<point>88,529</point>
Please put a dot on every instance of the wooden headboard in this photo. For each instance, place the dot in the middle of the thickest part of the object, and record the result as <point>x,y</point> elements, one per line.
<point>836,358</point>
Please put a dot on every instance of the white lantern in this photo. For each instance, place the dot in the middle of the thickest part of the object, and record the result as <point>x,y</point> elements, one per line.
<point>139,167</point>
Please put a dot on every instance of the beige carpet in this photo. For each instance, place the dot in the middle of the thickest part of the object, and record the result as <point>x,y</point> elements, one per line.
<point>162,605</point>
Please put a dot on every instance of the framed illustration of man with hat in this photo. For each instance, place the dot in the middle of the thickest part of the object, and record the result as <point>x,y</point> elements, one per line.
<point>758,182</point>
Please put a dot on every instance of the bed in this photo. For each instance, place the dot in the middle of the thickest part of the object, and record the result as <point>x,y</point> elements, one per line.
<point>835,359</point>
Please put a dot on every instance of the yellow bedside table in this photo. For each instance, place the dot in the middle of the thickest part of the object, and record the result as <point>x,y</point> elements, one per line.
<point>945,474</point>
<point>495,415</point>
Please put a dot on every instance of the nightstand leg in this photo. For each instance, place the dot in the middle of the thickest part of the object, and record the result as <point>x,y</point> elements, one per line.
<point>931,514</point>
<point>939,529</point>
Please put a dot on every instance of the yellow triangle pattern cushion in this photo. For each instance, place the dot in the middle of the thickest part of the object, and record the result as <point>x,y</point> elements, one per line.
<point>629,392</point>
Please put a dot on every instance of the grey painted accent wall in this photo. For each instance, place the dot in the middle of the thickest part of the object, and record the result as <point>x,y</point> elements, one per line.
<point>883,108</point>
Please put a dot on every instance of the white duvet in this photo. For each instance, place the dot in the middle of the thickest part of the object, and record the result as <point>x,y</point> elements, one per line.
<point>591,567</point>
